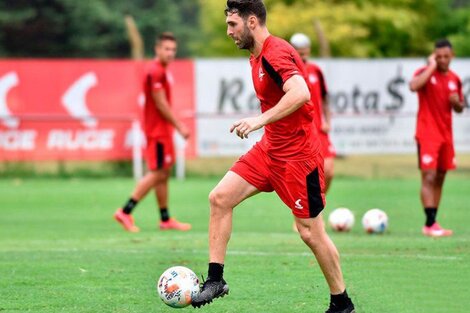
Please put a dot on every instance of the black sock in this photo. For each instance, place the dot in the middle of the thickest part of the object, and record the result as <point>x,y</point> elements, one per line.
<point>129,206</point>
<point>216,271</point>
<point>341,301</point>
<point>164,215</point>
<point>430,216</point>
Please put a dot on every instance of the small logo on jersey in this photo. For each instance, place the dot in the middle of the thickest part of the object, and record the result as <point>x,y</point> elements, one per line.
<point>312,78</point>
<point>298,205</point>
<point>433,80</point>
<point>168,158</point>
<point>157,85</point>
<point>452,86</point>
<point>261,73</point>
<point>426,159</point>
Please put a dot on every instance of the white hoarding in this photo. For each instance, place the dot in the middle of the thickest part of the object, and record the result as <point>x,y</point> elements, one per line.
<point>373,109</point>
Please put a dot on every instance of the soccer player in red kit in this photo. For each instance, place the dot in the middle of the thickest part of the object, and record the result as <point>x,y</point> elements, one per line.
<point>286,160</point>
<point>159,124</point>
<point>319,97</point>
<point>439,92</point>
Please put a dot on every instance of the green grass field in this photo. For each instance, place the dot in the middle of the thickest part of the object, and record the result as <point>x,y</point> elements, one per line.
<point>60,250</point>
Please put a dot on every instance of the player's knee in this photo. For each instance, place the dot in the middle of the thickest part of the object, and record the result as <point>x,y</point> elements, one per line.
<point>312,237</point>
<point>216,199</point>
<point>429,178</point>
<point>440,175</point>
<point>153,177</point>
<point>306,234</point>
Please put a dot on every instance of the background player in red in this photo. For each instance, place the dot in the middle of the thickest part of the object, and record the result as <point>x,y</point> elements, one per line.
<point>286,160</point>
<point>159,125</point>
<point>319,97</point>
<point>439,92</point>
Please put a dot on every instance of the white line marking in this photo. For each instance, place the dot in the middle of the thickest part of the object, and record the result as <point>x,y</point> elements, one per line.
<point>251,253</point>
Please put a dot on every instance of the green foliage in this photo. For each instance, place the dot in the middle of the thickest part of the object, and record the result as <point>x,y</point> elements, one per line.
<point>354,28</point>
<point>153,17</point>
<point>69,28</point>
<point>214,40</point>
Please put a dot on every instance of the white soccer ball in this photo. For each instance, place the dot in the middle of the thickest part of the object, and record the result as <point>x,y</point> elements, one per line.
<point>341,219</point>
<point>177,286</point>
<point>375,221</point>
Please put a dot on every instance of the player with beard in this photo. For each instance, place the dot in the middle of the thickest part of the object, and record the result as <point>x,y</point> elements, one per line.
<point>439,92</point>
<point>286,160</point>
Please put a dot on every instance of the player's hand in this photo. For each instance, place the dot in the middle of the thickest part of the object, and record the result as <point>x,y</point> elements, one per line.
<point>325,127</point>
<point>245,126</point>
<point>432,60</point>
<point>184,131</point>
<point>455,102</point>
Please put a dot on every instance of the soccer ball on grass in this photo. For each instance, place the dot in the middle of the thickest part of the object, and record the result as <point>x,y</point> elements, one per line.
<point>341,220</point>
<point>177,286</point>
<point>375,221</point>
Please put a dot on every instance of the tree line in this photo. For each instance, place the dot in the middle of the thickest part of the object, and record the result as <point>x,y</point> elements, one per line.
<point>351,28</point>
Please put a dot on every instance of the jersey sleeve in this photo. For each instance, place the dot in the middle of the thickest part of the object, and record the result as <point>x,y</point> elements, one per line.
<point>280,65</point>
<point>157,79</point>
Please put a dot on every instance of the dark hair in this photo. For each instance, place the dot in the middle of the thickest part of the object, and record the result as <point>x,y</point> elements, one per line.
<point>442,43</point>
<point>245,8</point>
<point>165,36</point>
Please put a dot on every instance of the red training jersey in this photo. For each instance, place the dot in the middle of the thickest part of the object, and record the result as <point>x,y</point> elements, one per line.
<point>292,137</point>
<point>434,122</point>
<point>318,91</point>
<point>157,78</point>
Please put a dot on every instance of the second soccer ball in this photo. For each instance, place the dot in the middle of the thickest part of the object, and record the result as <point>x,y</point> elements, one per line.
<point>375,221</point>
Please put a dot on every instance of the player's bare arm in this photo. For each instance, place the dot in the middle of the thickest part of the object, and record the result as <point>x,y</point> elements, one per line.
<point>296,95</point>
<point>420,80</point>
<point>455,102</point>
<point>326,121</point>
<point>163,107</point>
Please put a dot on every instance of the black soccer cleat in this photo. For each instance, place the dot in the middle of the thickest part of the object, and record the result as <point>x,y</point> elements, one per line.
<point>334,309</point>
<point>210,290</point>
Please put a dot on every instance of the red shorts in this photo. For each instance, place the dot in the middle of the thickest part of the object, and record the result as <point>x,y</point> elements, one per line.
<point>328,150</point>
<point>436,155</point>
<point>299,184</point>
<point>160,153</point>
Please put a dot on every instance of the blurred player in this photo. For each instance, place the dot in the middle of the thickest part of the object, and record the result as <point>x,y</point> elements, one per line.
<point>159,123</point>
<point>439,92</point>
<point>319,97</point>
<point>286,160</point>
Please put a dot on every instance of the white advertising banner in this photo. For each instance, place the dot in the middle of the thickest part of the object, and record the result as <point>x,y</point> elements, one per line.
<point>373,109</point>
